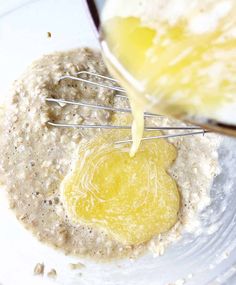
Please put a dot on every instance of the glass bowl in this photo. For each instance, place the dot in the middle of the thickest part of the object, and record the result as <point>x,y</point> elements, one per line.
<point>207,257</point>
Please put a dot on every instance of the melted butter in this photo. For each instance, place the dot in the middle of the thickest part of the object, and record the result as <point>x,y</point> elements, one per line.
<point>182,68</point>
<point>132,199</point>
<point>137,125</point>
<point>184,72</point>
<point>137,107</point>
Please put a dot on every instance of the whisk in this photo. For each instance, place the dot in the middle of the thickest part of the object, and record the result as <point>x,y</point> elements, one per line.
<point>112,84</point>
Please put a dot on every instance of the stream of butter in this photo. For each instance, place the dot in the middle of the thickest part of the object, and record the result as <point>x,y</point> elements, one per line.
<point>182,54</point>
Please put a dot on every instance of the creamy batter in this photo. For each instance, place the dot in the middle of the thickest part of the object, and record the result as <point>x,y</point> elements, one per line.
<point>35,158</point>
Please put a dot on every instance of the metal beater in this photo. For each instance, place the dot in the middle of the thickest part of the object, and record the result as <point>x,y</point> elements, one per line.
<point>120,92</point>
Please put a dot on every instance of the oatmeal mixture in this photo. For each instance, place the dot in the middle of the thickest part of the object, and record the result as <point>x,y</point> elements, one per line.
<point>35,157</point>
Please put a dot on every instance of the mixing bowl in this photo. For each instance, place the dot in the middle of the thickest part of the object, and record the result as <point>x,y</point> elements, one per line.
<point>205,257</point>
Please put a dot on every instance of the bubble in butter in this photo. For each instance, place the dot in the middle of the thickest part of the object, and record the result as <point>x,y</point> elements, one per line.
<point>132,199</point>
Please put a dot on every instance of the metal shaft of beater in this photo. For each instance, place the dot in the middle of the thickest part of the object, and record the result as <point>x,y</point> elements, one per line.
<point>110,85</point>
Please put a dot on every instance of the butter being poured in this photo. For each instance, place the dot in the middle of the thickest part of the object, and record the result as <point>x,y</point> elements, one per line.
<point>137,125</point>
<point>182,54</point>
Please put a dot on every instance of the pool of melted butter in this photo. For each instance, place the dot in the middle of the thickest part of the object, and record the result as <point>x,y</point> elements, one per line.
<point>131,198</point>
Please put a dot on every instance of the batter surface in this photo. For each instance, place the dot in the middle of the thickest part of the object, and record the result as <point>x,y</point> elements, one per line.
<point>35,158</point>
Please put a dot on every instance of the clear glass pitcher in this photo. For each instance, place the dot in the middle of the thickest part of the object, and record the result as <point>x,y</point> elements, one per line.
<point>175,57</point>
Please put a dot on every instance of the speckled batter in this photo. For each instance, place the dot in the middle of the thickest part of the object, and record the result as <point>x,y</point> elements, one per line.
<point>35,158</point>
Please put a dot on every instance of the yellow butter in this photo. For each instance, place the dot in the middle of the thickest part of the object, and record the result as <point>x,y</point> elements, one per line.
<point>132,199</point>
<point>178,72</point>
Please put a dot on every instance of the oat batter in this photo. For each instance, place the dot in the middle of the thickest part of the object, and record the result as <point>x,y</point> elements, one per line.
<point>35,158</point>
